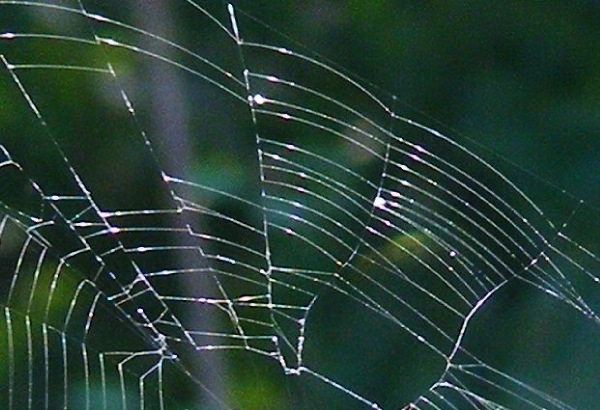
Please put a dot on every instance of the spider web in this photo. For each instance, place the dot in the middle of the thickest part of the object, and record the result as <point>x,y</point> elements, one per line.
<point>324,251</point>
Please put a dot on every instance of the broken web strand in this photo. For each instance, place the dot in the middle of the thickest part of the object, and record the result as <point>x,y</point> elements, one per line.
<point>253,101</point>
<point>298,367</point>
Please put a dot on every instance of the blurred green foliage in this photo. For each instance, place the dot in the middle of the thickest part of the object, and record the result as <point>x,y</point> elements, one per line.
<point>519,78</point>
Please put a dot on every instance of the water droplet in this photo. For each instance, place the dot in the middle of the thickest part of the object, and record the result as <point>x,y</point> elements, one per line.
<point>8,36</point>
<point>452,253</point>
<point>107,41</point>
<point>293,372</point>
<point>96,17</point>
<point>379,202</point>
<point>259,99</point>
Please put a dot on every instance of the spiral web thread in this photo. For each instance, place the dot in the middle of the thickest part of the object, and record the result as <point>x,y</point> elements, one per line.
<point>350,201</point>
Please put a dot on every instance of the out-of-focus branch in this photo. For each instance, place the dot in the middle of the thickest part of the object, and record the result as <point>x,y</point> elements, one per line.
<point>170,115</point>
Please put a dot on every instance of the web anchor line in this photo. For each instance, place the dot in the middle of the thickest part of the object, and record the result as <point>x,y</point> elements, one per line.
<point>347,255</point>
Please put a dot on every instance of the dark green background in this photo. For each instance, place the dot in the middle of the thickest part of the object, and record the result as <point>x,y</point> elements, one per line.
<point>516,82</point>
